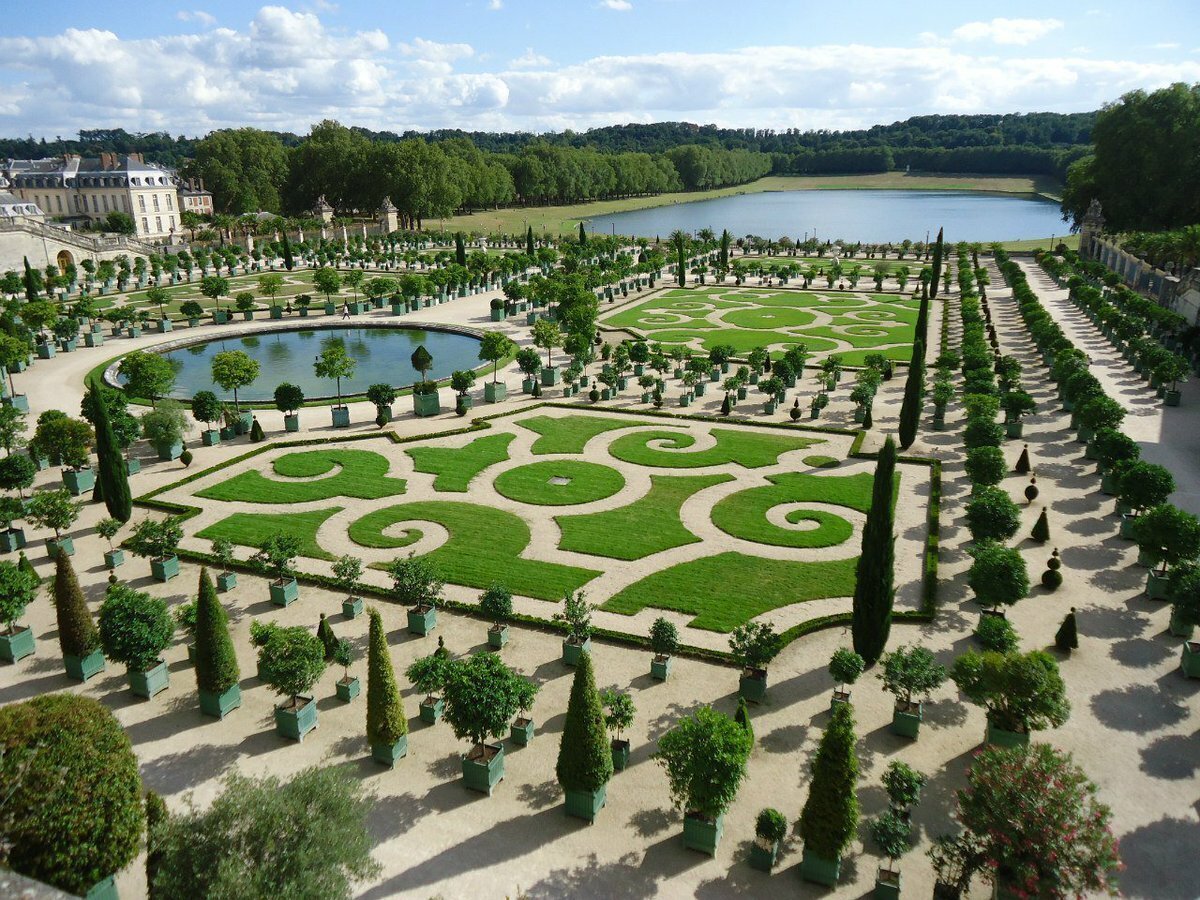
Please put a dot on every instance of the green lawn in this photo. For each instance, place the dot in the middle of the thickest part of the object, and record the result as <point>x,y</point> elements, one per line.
<point>750,449</point>
<point>253,529</point>
<point>822,462</point>
<point>485,545</point>
<point>646,526</point>
<point>563,482</point>
<point>456,466</point>
<point>569,434</point>
<point>744,514</point>
<point>725,590</point>
<point>362,475</point>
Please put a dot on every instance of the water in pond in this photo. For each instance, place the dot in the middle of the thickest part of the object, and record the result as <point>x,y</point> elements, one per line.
<point>873,216</point>
<point>382,355</point>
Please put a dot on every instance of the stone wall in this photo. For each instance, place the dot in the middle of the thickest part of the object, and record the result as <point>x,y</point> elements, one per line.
<point>42,244</point>
<point>1183,296</point>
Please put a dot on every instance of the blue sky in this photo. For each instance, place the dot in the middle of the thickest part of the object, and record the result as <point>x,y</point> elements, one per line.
<point>545,65</point>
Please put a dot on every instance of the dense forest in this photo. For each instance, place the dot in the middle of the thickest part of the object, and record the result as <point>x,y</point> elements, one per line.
<point>436,173</point>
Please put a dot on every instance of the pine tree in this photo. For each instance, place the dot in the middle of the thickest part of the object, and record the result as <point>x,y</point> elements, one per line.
<point>156,817</point>
<point>386,723</point>
<point>582,236</point>
<point>77,633</point>
<point>725,241</point>
<point>460,249</point>
<point>873,589</point>
<point>31,292</point>
<point>529,251</point>
<point>112,477</point>
<point>288,260</point>
<point>584,755</point>
<point>216,662</point>
<point>742,717</point>
<point>1041,528</point>
<point>938,250</point>
<point>830,816</point>
<point>1023,462</point>
<point>1067,637</point>
<point>914,391</point>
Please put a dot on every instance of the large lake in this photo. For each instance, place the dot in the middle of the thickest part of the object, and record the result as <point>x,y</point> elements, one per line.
<point>873,216</point>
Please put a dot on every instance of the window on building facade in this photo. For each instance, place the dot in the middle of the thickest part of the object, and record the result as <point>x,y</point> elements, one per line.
<point>104,199</point>
<point>170,203</point>
<point>172,221</point>
<point>158,223</point>
<point>58,201</point>
<point>156,202</point>
<point>145,226</point>
<point>95,204</point>
<point>141,202</point>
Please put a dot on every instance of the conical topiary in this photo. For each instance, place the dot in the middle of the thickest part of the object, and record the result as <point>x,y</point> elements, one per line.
<point>216,662</point>
<point>1041,528</point>
<point>584,755</point>
<point>742,717</point>
<point>386,723</point>
<point>1022,467</point>
<point>112,476</point>
<point>726,406</point>
<point>830,816</point>
<point>256,432</point>
<point>1067,638</point>
<point>1031,490</point>
<point>77,633</point>
<point>156,817</point>
<point>25,565</point>
<point>328,639</point>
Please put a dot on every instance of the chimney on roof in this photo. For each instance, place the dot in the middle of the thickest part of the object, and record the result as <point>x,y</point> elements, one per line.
<point>201,185</point>
<point>137,157</point>
<point>108,160</point>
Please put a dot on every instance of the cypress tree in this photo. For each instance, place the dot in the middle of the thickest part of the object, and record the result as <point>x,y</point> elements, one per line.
<point>582,236</point>
<point>216,662</point>
<point>386,723</point>
<point>725,241</point>
<point>156,817</point>
<point>914,392</point>
<point>112,478</point>
<point>922,329</point>
<point>460,249</point>
<point>584,755</point>
<point>31,292</point>
<point>529,241</point>
<point>873,589</point>
<point>938,250</point>
<point>77,633</point>
<point>681,260</point>
<point>830,816</point>
<point>288,260</point>
<point>1041,528</point>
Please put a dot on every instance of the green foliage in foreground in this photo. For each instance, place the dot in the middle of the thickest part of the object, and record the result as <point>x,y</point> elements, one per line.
<point>485,545</point>
<point>456,466</point>
<point>569,434</point>
<point>255,529</point>
<point>362,475</point>
<point>749,449</point>
<point>649,525</point>
<point>725,590</point>
<point>306,839</point>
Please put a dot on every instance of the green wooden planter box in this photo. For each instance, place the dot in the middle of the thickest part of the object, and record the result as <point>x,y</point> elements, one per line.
<point>275,312</point>
<point>660,667</point>
<point>1171,398</point>
<point>285,592</point>
<point>906,722</point>
<point>431,709</point>
<point>46,351</point>
<point>763,858</point>
<point>1157,585</point>
<point>497,636</point>
<point>220,705</point>
<point>701,834</point>
<point>296,723</point>
<point>220,316</point>
<point>340,416</point>
<point>585,804</point>
<point>12,539</point>
<point>887,885</point>
<point>573,650</point>
<point>210,437</point>
<point>55,546</point>
<point>114,558</point>
<point>422,620</point>
<point>1189,660</point>
<point>700,388</point>
<point>495,391</point>
<point>998,737</point>
<point>1014,429</point>
<point>105,889</point>
<point>348,688</point>
<point>426,404</point>
<point>1179,629</point>
<point>17,644</point>
<point>753,685</point>
<point>93,339</point>
<point>18,401</point>
<point>226,581</point>
<point>550,376</point>
<point>1127,526</point>
<point>79,481</point>
<point>820,870</point>
<point>387,754</point>
<point>291,422</point>
<point>521,731</point>
<point>168,452</point>
<point>620,755</point>
<point>152,681</point>
<point>352,607</point>
<point>165,569</point>
<point>82,669</point>
<point>483,775</point>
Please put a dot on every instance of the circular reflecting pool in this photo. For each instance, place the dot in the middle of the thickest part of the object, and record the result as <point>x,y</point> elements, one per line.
<point>382,356</point>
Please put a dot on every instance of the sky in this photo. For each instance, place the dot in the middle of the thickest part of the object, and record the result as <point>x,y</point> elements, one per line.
<point>549,65</point>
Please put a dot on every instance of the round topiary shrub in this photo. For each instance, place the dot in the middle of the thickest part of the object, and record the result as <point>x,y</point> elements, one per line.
<point>73,810</point>
<point>1052,579</point>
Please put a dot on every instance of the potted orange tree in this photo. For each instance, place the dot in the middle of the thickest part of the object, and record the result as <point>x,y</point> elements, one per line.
<point>346,572</point>
<point>845,667</point>
<point>753,645</point>
<point>618,716</point>
<point>496,604</point>
<point>276,556</point>
<point>428,675</point>
<point>482,696</point>
<point>157,540</point>
<point>770,828</point>
<point>417,585</point>
<point>1022,693</point>
<point>577,614</point>
<point>664,641</point>
<point>291,660</point>
<point>18,588</point>
<point>909,673</point>
<point>135,629</point>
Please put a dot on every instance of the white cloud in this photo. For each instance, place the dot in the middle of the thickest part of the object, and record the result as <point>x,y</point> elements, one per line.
<point>286,70</point>
<point>618,5</point>
<point>196,15</point>
<point>495,4</point>
<point>1007,31</point>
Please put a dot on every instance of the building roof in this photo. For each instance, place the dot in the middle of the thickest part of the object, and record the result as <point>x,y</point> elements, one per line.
<point>106,170</point>
<point>11,206</point>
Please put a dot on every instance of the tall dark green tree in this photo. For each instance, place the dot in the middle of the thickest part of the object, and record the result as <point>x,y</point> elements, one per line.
<point>30,281</point>
<point>725,241</point>
<point>582,235</point>
<point>460,249</point>
<point>216,662</point>
<point>288,259</point>
<point>584,755</point>
<point>529,251</point>
<point>939,249</point>
<point>922,329</point>
<point>873,590</point>
<point>112,476</point>
<point>77,633</point>
<point>914,395</point>
<point>386,723</point>
<point>830,816</point>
